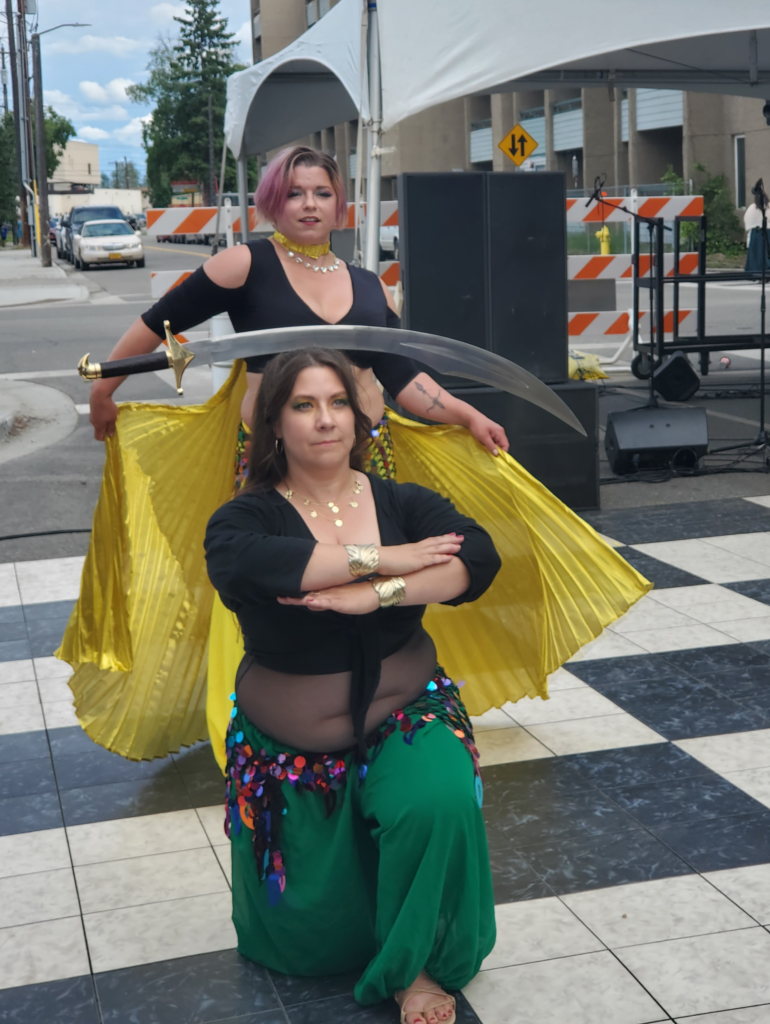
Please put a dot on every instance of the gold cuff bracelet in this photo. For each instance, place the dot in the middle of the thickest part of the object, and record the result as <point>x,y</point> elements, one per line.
<point>391,590</point>
<point>363,559</point>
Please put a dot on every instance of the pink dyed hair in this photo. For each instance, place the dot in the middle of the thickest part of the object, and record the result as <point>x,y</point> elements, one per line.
<point>273,190</point>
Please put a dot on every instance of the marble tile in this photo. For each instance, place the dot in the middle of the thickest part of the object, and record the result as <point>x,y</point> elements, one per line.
<point>44,896</point>
<point>629,766</point>
<point>729,610</point>
<point>212,819</point>
<point>659,573</point>
<point>345,1010</point>
<point>197,760</point>
<point>29,852</point>
<point>701,558</point>
<point>71,1001</point>
<point>603,733</point>
<point>612,543</point>
<point>11,613</point>
<point>731,752</point>
<point>50,579</point>
<point>26,778</point>
<point>205,789</point>
<point>682,598</point>
<point>513,879</point>
<point>17,695</point>
<point>42,611</point>
<point>495,718</point>
<point>538,930</point>
<point>561,707</point>
<point>136,837</point>
<point>15,650</point>
<point>23,746</point>
<point>97,766</point>
<point>60,714</point>
<point>607,645</point>
<point>749,887</point>
<point>754,781</point>
<point>160,931</point>
<point>27,718</point>
<point>9,587</point>
<point>715,659</point>
<point>692,799</point>
<point>14,630</point>
<point>665,908</point>
<point>596,861</point>
<point>676,638</point>
<point>712,844</point>
<point>746,629</point>
<point>294,990</point>
<point>498,746</point>
<point>704,973</point>
<point>746,1015</point>
<point>648,614</point>
<point>123,800</point>
<point>681,520</point>
<point>51,668</point>
<point>532,780</point>
<point>45,636</point>
<point>531,819</point>
<point>561,679</point>
<point>754,546</point>
<point>29,813</point>
<point>758,590</point>
<point>594,986</point>
<point>153,879</point>
<point>760,499</point>
<point>225,863</point>
<point>624,670</point>
<point>215,986</point>
<point>45,951</point>
<point>74,740</point>
<point>53,690</point>
<point>16,671</point>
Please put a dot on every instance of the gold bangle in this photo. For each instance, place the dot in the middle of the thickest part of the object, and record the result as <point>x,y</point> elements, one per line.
<point>391,590</point>
<point>363,559</point>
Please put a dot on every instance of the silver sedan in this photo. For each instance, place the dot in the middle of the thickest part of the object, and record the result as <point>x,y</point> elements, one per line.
<point>107,241</point>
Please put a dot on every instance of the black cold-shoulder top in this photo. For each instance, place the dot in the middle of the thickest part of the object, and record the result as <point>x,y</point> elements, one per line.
<point>267,300</point>
<point>257,549</point>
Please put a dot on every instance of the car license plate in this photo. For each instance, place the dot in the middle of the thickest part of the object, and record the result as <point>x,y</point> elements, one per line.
<point>116,256</point>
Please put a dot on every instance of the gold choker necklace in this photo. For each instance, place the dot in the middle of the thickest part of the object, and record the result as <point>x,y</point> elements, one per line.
<point>313,251</point>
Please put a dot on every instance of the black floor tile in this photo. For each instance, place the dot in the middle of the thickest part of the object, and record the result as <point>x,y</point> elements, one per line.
<point>97,766</point>
<point>23,746</point>
<point>15,650</point>
<point>718,843</point>
<point>514,880</point>
<point>733,682</point>
<point>188,990</point>
<point>762,646</point>
<point>759,590</point>
<point>13,613</point>
<point>681,521</point>
<point>268,1017</point>
<point>689,718</point>
<point>526,821</point>
<point>596,862</point>
<point>35,613</point>
<point>52,1002</point>
<point>197,760</point>
<point>12,631</point>
<point>45,636</point>
<point>536,779</point>
<point>636,765</point>
<point>622,670</point>
<point>29,813</point>
<point>679,685</point>
<point>660,573</point>
<point>682,800</point>
<point>71,740</point>
<point>26,778</point>
<point>123,800</point>
<point>205,790</point>
<point>714,659</point>
<point>345,1010</point>
<point>293,990</point>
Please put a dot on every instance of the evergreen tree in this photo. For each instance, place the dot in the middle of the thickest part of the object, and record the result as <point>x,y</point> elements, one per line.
<point>8,173</point>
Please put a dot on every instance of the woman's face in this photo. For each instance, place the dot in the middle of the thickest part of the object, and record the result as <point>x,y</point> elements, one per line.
<point>310,213</point>
<point>317,424</point>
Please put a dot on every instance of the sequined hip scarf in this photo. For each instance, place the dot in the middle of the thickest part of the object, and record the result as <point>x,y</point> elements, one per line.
<point>254,795</point>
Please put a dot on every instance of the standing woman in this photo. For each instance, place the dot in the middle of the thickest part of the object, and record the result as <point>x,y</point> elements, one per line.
<point>381,865</point>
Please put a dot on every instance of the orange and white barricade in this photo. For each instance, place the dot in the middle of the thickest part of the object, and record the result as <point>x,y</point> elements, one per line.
<point>614,323</point>
<point>604,268</point>
<point>581,211</point>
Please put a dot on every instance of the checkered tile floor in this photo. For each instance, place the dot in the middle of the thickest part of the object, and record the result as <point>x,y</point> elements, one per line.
<point>628,820</point>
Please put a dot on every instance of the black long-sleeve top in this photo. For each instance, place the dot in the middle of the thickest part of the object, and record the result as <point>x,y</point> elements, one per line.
<point>267,300</point>
<point>258,547</point>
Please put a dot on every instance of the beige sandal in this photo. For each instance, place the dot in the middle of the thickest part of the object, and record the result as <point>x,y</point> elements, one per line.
<point>429,991</point>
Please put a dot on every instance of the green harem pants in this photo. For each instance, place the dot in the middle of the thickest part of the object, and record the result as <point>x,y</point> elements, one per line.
<point>394,881</point>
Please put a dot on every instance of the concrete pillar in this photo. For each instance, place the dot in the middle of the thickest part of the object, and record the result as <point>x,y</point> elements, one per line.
<point>598,136</point>
<point>621,147</point>
<point>503,119</point>
<point>549,98</point>
<point>634,142</point>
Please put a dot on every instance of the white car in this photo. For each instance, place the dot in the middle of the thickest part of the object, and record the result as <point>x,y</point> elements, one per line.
<point>107,241</point>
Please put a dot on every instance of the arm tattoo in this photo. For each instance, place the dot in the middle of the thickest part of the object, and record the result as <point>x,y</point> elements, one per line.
<point>434,401</point>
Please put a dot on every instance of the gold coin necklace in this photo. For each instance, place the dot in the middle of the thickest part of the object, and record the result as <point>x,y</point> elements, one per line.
<point>333,506</point>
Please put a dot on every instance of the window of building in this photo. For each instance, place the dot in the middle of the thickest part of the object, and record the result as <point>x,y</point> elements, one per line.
<point>315,9</point>
<point>89,168</point>
<point>740,170</point>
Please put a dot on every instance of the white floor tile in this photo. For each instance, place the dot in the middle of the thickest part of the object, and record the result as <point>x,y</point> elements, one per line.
<point>50,579</point>
<point>705,973</point>
<point>225,861</point>
<point>607,645</point>
<point>749,887</point>
<point>28,852</point>
<point>495,718</point>
<point>679,638</point>
<point>138,837</point>
<point>683,597</point>
<point>153,879</point>
<point>562,707</point>
<point>160,931</point>
<point>31,954</point>
<point>667,908</point>
<point>60,714</point>
<point>52,668</point>
<point>501,746</point>
<point>584,734</point>
<point>54,690</point>
<point>561,679</point>
<point>585,989</point>
<point>748,1015</point>
<point>44,896</point>
<point>754,781</point>
<point>649,614</point>
<point>17,695</point>
<point>16,671</point>
<point>705,560</point>
<point>9,588</point>
<point>727,609</point>
<point>760,499</point>
<point>537,930</point>
<point>746,630</point>
<point>731,752</point>
<point>754,546</point>
<point>213,821</point>
<point>23,719</point>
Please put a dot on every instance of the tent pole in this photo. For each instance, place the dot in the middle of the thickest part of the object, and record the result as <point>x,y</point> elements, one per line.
<point>243,197</point>
<point>372,255</point>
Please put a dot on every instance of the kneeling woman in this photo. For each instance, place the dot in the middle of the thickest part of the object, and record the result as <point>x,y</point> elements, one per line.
<point>353,788</point>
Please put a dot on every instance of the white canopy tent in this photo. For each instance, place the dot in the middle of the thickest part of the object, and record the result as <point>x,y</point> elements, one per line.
<point>430,53</point>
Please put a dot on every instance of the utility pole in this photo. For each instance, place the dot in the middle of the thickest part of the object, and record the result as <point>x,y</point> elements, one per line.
<point>42,169</point>
<point>212,179</point>
<point>10,18</point>
<point>4,75</point>
<point>125,169</point>
<point>27,161</point>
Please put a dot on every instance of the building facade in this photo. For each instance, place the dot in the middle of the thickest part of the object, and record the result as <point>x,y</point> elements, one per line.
<point>629,136</point>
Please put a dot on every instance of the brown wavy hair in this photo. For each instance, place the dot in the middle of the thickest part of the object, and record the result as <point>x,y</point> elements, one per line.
<point>267,464</point>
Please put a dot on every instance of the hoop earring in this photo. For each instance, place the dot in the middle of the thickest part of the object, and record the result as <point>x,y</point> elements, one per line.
<point>278,449</point>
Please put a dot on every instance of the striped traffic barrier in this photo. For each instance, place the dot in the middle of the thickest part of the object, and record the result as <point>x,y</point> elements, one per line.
<point>603,268</point>
<point>668,207</point>
<point>611,323</point>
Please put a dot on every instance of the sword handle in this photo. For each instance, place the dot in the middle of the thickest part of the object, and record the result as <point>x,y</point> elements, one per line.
<point>174,356</point>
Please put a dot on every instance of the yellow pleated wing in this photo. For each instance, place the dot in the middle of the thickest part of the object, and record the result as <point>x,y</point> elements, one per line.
<point>138,635</point>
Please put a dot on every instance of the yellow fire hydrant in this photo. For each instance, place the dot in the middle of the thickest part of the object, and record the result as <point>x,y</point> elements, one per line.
<point>604,239</point>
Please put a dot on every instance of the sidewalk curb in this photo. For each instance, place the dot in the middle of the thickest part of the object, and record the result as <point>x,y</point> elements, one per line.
<point>51,416</point>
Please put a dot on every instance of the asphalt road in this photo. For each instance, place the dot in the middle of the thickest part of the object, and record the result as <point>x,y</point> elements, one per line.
<point>58,487</point>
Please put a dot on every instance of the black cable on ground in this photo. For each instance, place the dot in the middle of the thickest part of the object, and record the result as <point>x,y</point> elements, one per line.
<point>41,533</point>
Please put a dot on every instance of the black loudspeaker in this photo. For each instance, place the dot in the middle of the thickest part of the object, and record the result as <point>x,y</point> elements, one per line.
<point>565,461</point>
<point>654,438</point>
<point>675,380</point>
<point>527,233</point>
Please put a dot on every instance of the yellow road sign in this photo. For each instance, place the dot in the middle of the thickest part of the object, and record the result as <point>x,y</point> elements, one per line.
<point>518,145</point>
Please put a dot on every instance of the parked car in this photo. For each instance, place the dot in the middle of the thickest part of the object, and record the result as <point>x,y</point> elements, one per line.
<point>389,243</point>
<point>59,234</point>
<point>80,215</point>
<point>107,241</point>
<point>52,225</point>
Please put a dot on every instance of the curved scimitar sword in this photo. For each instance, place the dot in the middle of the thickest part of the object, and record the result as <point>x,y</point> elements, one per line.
<point>445,355</point>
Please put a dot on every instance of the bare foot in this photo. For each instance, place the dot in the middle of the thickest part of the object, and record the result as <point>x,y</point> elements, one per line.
<point>424,1007</point>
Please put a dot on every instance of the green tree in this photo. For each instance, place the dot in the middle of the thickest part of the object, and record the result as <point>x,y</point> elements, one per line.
<point>124,175</point>
<point>723,229</point>
<point>58,131</point>
<point>8,173</point>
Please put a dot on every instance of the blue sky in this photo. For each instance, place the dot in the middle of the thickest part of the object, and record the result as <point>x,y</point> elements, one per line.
<point>86,70</point>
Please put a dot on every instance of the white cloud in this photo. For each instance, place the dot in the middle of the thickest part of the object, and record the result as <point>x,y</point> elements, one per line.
<point>66,105</point>
<point>61,102</point>
<point>92,134</point>
<point>112,92</point>
<point>165,13</point>
<point>116,46</point>
<point>131,133</point>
